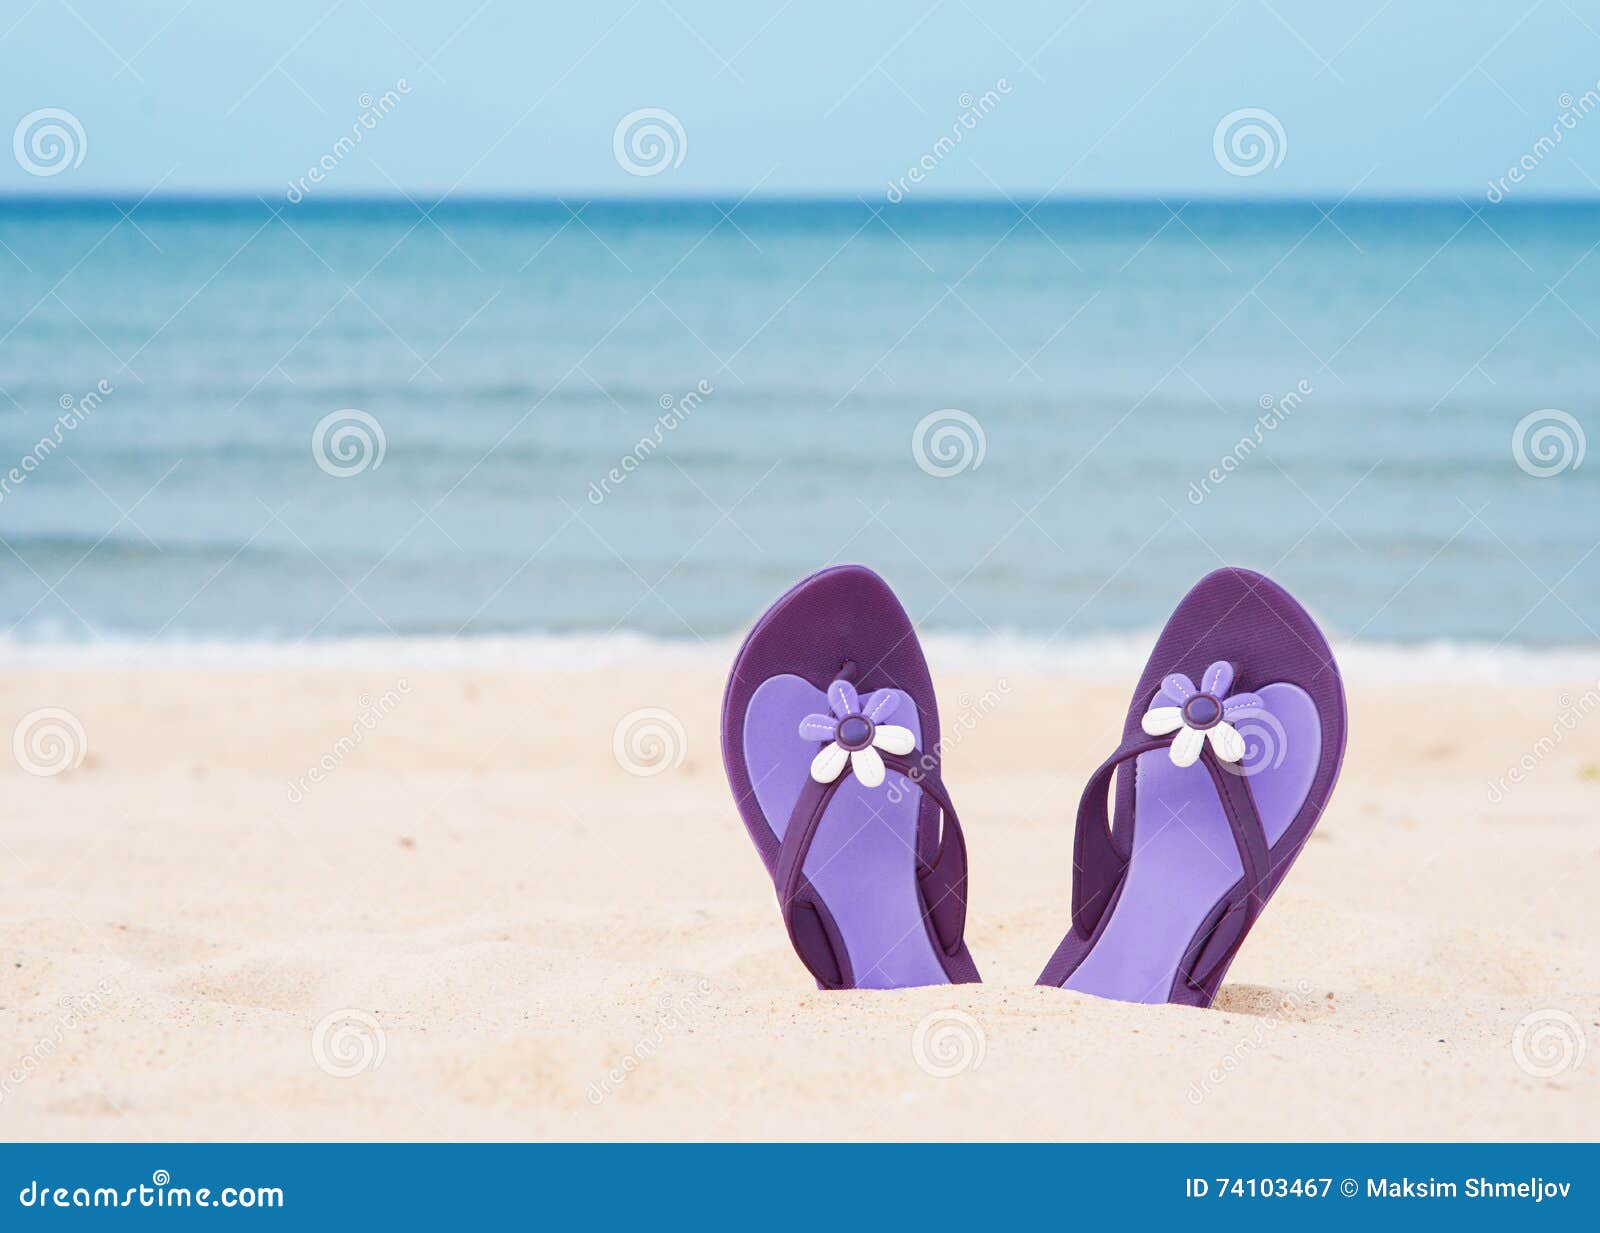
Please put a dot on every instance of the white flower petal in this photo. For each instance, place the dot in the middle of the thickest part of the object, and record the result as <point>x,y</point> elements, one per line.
<point>868,767</point>
<point>1186,747</point>
<point>1226,742</point>
<point>894,739</point>
<point>829,762</point>
<point>1158,721</point>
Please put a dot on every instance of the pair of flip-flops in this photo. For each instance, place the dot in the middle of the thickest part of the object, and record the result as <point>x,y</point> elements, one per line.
<point>1230,749</point>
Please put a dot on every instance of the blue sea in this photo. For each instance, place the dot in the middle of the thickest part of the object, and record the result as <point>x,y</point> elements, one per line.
<point>250,421</point>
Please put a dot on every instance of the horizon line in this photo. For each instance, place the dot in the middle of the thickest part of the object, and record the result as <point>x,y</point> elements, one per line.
<point>422,197</point>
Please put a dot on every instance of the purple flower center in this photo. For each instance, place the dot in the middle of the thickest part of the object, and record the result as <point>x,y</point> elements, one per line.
<point>855,732</point>
<point>1202,711</point>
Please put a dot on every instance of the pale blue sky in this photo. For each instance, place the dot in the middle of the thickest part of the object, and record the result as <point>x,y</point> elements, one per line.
<point>817,98</point>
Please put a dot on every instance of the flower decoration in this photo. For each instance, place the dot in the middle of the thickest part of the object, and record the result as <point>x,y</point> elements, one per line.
<point>855,732</point>
<point>1201,715</point>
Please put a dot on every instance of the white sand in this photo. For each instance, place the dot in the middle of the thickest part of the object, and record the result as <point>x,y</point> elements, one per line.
<point>519,916</point>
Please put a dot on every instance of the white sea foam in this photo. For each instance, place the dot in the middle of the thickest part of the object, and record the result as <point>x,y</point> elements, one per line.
<point>1110,657</point>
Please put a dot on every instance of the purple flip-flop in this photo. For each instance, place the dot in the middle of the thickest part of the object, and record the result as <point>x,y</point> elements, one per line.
<point>830,737</point>
<point>1228,756</point>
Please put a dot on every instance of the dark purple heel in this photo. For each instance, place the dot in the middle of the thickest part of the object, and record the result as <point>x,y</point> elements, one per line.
<point>830,737</point>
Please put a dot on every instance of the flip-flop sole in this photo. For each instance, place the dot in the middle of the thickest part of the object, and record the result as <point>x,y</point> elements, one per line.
<point>1183,859</point>
<point>863,863</point>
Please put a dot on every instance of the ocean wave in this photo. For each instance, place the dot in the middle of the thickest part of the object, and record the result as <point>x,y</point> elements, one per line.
<point>1110,657</point>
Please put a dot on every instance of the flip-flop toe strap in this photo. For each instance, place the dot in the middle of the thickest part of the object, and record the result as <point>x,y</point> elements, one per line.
<point>943,880</point>
<point>1100,861</point>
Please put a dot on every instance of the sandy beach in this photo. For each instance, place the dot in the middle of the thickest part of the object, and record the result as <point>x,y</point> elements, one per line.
<point>475,922</point>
